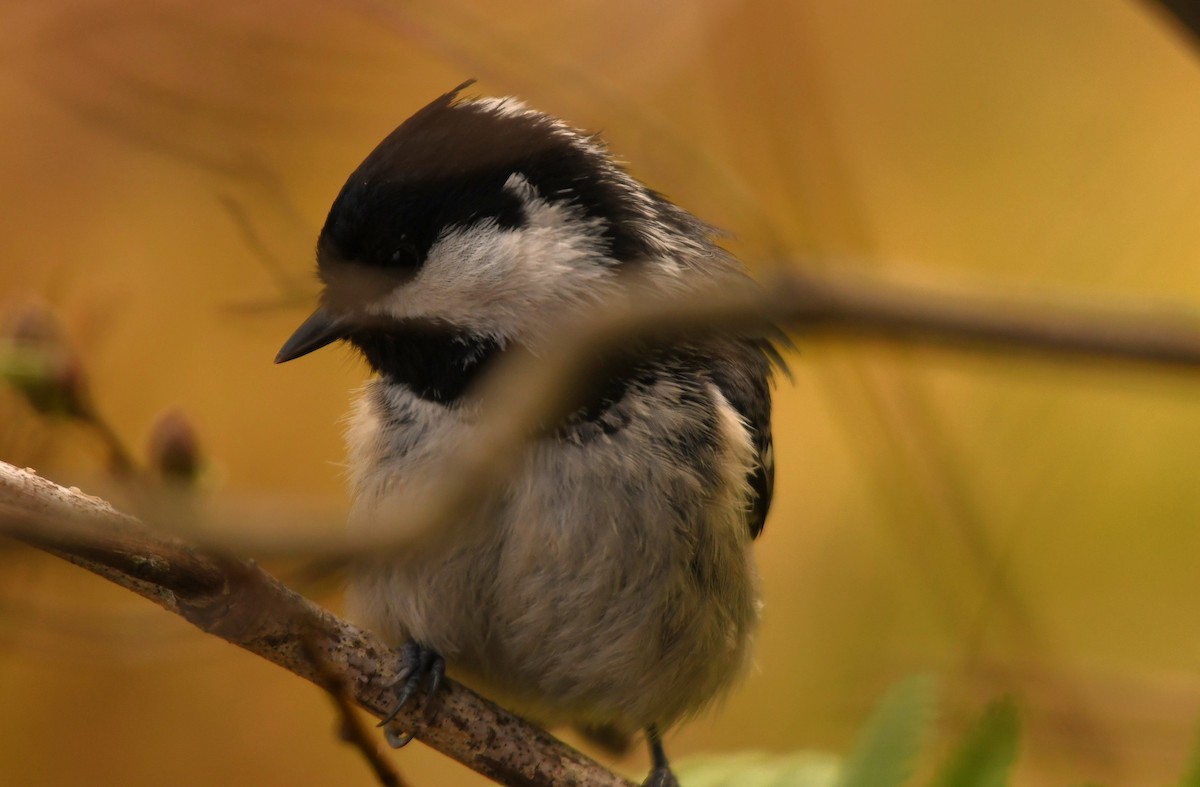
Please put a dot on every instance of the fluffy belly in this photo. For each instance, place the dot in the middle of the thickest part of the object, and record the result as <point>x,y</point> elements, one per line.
<point>593,615</point>
<point>611,582</point>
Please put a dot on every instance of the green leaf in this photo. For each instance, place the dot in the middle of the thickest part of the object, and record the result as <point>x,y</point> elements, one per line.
<point>1191,777</point>
<point>886,750</point>
<point>751,769</point>
<point>985,756</point>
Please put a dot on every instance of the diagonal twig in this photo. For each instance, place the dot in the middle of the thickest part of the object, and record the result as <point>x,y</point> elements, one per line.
<point>237,601</point>
<point>525,392</point>
<point>351,728</point>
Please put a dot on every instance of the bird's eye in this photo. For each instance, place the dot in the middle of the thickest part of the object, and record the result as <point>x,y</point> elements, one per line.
<point>404,255</point>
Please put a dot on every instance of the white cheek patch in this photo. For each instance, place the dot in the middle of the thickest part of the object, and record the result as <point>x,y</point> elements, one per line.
<point>504,282</point>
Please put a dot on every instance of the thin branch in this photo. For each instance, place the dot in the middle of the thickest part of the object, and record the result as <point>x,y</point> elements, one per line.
<point>872,308</point>
<point>258,248</point>
<point>242,604</point>
<point>237,601</point>
<point>120,459</point>
<point>525,392</point>
<point>1184,13</point>
<point>351,728</point>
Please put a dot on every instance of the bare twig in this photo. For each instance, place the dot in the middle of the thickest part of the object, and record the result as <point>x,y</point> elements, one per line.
<point>1185,13</point>
<point>351,728</point>
<point>240,603</point>
<point>120,458</point>
<point>38,362</point>
<point>237,601</point>
<point>525,392</point>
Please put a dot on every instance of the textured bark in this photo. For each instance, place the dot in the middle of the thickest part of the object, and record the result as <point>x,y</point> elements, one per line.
<point>237,601</point>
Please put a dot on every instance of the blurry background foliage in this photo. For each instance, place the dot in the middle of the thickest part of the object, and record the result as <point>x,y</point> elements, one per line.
<point>1013,526</point>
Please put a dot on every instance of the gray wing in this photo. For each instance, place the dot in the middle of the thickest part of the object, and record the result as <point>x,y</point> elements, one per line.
<point>740,368</point>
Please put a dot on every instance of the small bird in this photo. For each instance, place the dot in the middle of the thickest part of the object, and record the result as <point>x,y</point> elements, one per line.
<point>610,584</point>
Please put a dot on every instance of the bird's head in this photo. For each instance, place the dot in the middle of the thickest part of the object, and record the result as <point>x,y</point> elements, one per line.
<point>470,227</point>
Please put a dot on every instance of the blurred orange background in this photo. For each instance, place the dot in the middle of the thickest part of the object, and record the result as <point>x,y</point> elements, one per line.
<point>1007,524</point>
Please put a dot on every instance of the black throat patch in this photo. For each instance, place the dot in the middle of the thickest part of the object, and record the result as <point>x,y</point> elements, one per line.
<point>437,363</point>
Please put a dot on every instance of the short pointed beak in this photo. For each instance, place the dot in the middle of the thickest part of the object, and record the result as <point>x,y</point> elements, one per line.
<point>321,328</point>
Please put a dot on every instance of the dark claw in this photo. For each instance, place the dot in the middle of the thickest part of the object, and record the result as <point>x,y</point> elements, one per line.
<point>419,664</point>
<point>397,740</point>
<point>437,671</point>
<point>661,778</point>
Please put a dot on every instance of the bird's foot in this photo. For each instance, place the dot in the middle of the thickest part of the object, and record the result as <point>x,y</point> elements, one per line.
<point>661,777</point>
<point>419,665</point>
